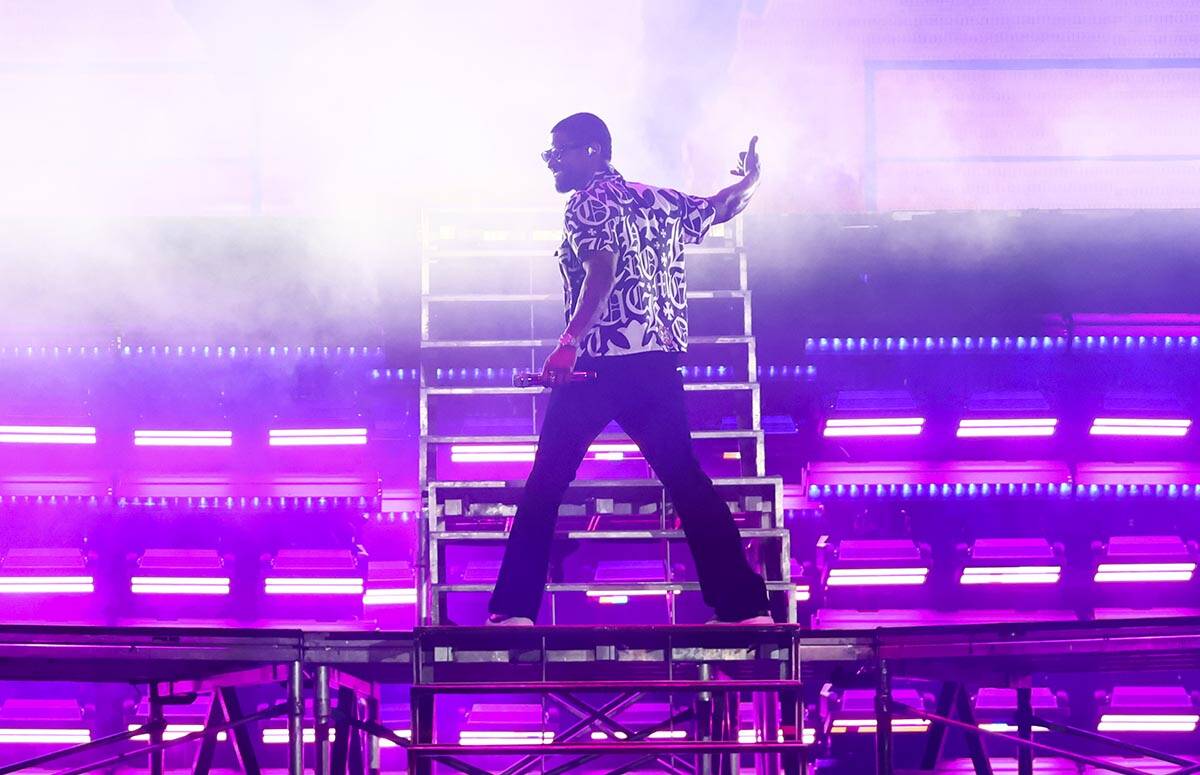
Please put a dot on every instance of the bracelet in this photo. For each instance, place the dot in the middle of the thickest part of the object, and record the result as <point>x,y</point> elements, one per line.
<point>566,340</point>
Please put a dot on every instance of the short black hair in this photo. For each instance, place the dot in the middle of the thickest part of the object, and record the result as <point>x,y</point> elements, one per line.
<point>587,128</point>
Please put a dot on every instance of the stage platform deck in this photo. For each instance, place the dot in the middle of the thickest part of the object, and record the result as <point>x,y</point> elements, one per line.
<point>716,660</point>
<point>148,654</point>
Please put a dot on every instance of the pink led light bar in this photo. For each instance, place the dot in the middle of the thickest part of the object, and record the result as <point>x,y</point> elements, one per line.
<point>179,585</point>
<point>869,725</point>
<point>874,426</point>
<point>183,438</point>
<point>808,736</point>
<point>492,453</point>
<point>47,585</point>
<point>613,451</point>
<point>313,586</point>
<point>525,453</point>
<point>662,734</point>
<point>1149,722</point>
<point>876,577</point>
<point>1012,574</point>
<point>1007,427</point>
<point>43,735</point>
<point>499,737</point>
<point>317,437</point>
<point>621,596</point>
<point>1134,426</point>
<point>176,731</point>
<point>401,596</point>
<point>46,434</point>
<point>279,735</point>
<point>1003,726</point>
<point>1144,571</point>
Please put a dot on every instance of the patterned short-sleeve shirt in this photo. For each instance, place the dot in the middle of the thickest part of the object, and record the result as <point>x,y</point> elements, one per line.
<point>646,227</point>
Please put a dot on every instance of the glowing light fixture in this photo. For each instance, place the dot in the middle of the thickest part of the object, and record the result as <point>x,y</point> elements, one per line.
<point>661,734</point>
<point>1145,571</point>
<point>1012,574</point>
<point>1007,427</point>
<point>313,586</point>
<point>1149,709</point>
<point>179,585</point>
<point>183,438</point>
<point>621,596</point>
<point>46,736</point>
<point>175,731</point>
<point>525,453</point>
<point>873,426</point>
<point>1150,722</point>
<point>1146,558</point>
<point>46,434</point>
<point>317,437</point>
<point>855,712</point>
<point>46,585</point>
<point>381,596</point>
<point>279,735</point>
<point>504,737</point>
<point>747,736</point>
<point>1133,426</point>
<point>876,577</point>
<point>874,563</point>
<point>1011,561</point>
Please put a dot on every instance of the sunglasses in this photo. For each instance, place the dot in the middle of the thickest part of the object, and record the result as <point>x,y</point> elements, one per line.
<point>556,153</point>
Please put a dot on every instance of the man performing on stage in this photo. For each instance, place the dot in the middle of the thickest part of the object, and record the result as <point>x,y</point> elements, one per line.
<point>623,275</point>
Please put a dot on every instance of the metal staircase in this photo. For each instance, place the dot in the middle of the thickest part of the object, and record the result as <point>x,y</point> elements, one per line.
<point>492,305</point>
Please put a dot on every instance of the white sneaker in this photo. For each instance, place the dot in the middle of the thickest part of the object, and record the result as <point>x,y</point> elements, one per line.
<point>509,621</point>
<point>762,620</point>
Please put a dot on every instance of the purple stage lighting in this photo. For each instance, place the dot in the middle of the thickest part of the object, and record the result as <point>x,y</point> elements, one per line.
<point>492,453</point>
<point>1139,426</point>
<point>181,720</point>
<point>504,724</point>
<point>179,585</point>
<point>1146,558</point>
<point>749,731</point>
<point>1012,561</point>
<point>640,716</point>
<point>610,572</point>
<point>390,583</point>
<point>876,563</point>
<point>43,722</point>
<point>279,735</point>
<point>524,453</point>
<point>45,572</point>
<point>996,707</point>
<point>853,710</point>
<point>1149,709</point>
<point>180,572</point>
<point>1007,427</point>
<point>873,426</point>
<point>47,434</point>
<point>317,437</point>
<point>46,585</point>
<point>873,413</point>
<point>1007,414</point>
<point>314,572</point>
<point>183,438</point>
<point>312,585</point>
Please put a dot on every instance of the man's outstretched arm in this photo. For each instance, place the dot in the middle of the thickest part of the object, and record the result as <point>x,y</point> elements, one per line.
<point>730,201</point>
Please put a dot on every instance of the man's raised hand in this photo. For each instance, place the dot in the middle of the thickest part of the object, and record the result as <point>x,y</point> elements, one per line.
<point>748,160</point>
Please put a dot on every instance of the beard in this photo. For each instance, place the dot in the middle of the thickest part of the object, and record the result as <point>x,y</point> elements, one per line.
<point>563,183</point>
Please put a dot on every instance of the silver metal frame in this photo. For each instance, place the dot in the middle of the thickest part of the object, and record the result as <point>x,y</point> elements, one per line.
<point>438,254</point>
